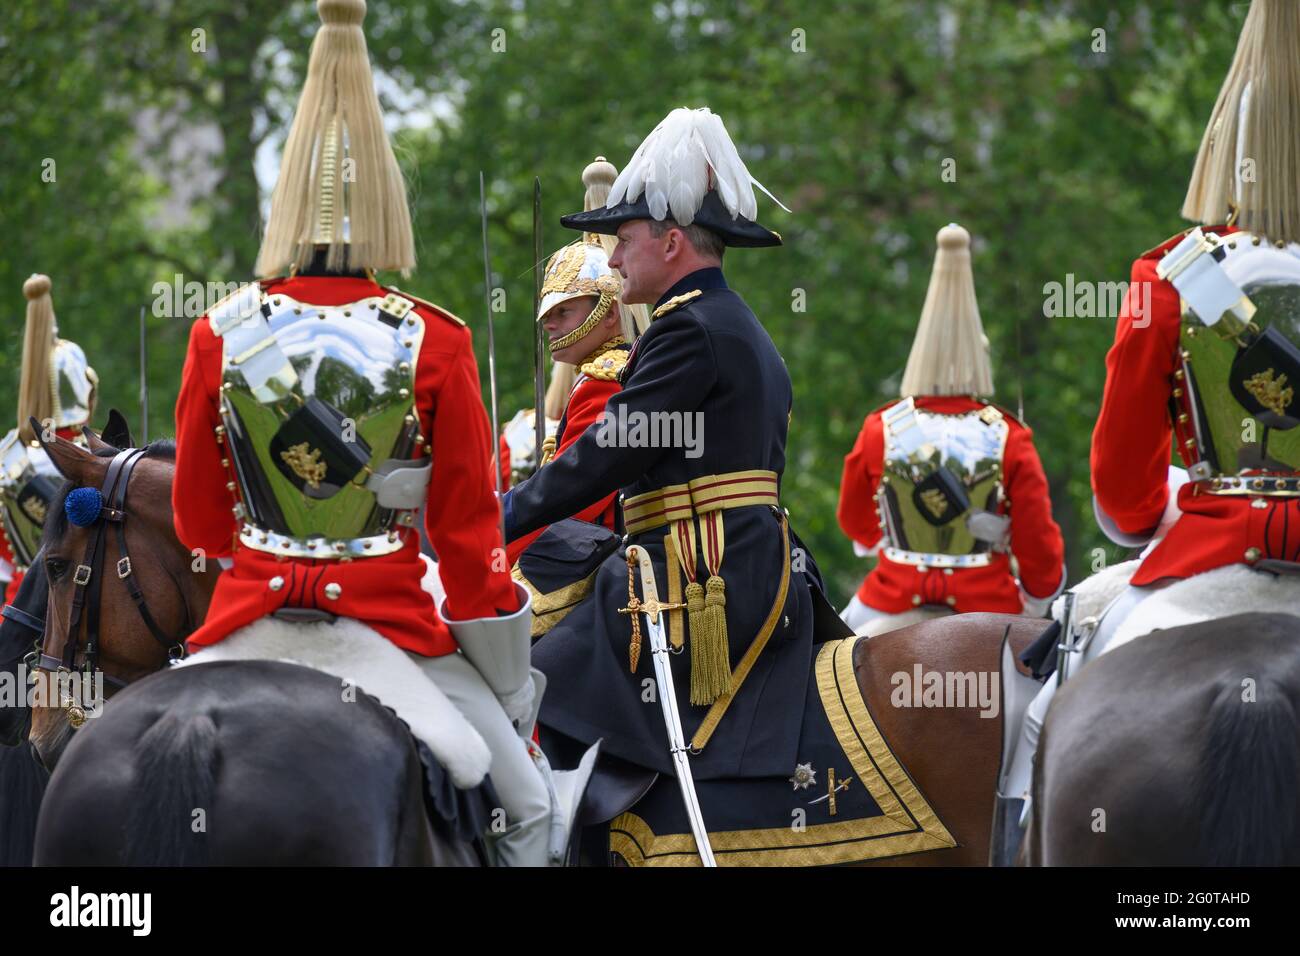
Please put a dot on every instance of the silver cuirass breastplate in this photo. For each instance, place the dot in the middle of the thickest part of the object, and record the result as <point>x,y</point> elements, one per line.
<point>941,486</point>
<point>319,409</point>
<point>1236,413</point>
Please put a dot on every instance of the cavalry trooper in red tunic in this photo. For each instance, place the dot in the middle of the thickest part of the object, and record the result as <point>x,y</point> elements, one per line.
<point>944,486</point>
<point>590,330</point>
<point>319,411</point>
<point>1206,358</point>
<point>57,388</point>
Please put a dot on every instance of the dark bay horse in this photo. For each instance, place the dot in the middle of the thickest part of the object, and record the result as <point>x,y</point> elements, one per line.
<point>236,762</point>
<point>952,753</point>
<point>1181,748</point>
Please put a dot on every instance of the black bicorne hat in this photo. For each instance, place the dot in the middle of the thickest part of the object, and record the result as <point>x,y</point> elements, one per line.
<point>686,170</point>
<point>712,215</point>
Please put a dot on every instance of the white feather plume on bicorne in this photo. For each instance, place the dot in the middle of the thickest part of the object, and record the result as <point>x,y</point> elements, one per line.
<point>688,153</point>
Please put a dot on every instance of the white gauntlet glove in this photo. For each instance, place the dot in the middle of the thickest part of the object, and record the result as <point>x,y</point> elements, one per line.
<point>500,648</point>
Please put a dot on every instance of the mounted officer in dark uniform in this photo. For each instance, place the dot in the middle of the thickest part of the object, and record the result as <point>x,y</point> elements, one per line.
<point>696,441</point>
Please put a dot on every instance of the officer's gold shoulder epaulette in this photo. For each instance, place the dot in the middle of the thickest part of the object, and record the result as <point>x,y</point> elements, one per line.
<point>438,309</point>
<point>606,366</point>
<point>1160,246</point>
<point>675,302</point>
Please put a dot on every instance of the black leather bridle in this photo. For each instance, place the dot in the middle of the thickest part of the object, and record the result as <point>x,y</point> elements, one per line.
<point>87,579</point>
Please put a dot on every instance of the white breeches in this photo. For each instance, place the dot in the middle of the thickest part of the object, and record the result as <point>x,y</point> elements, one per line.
<point>867,621</point>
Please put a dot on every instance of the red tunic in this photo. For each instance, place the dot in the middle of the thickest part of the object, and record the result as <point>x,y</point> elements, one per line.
<point>1035,538</point>
<point>586,402</point>
<point>461,514</point>
<point>1131,450</point>
<point>504,453</point>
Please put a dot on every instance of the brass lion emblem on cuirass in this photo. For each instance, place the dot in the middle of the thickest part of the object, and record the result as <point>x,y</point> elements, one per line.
<point>35,509</point>
<point>305,462</point>
<point>934,501</point>
<point>1275,395</point>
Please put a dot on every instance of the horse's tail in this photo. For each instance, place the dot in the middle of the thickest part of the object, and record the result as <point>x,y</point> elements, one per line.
<point>22,785</point>
<point>1250,778</point>
<point>171,797</point>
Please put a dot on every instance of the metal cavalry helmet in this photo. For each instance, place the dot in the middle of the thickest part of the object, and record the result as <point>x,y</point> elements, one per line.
<point>58,388</point>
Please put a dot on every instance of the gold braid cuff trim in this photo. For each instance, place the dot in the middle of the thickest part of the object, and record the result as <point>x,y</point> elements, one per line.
<point>550,609</point>
<point>907,825</point>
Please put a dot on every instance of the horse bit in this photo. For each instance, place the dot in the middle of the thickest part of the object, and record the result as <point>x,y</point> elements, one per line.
<point>86,598</point>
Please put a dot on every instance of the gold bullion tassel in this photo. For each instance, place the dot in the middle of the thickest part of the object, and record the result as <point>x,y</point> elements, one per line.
<point>633,609</point>
<point>710,651</point>
<point>548,450</point>
<point>695,626</point>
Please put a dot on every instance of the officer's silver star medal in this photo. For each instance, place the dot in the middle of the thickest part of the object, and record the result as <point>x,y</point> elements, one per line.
<point>804,776</point>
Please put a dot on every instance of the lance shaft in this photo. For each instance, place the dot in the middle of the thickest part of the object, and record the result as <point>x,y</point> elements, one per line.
<point>492,353</point>
<point>539,335</point>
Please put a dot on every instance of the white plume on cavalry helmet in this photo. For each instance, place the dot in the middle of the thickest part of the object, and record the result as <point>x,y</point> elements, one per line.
<point>1249,160</point>
<point>950,352</point>
<point>339,188</point>
<point>57,382</point>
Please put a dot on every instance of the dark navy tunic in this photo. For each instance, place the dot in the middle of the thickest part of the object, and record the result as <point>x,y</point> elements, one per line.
<point>709,356</point>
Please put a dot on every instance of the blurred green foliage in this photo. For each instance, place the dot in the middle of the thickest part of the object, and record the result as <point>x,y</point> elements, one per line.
<point>1068,160</point>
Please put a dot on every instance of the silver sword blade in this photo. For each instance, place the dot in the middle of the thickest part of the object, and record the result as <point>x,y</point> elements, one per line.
<point>539,334</point>
<point>676,739</point>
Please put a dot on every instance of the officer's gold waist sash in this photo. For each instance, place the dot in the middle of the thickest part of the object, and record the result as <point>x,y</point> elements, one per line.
<point>677,507</point>
<point>699,496</point>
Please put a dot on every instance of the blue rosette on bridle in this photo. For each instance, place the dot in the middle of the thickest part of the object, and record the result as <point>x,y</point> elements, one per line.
<point>83,506</point>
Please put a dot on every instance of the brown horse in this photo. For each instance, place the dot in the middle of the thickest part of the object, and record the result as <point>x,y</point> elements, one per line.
<point>178,584</point>
<point>275,762</point>
<point>952,753</point>
<point>1181,748</point>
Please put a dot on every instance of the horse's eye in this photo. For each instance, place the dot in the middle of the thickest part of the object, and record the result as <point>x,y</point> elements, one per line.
<point>56,567</point>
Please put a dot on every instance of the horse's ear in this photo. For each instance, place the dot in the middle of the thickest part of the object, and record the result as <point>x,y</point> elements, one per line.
<point>73,462</point>
<point>93,441</point>
<point>116,431</point>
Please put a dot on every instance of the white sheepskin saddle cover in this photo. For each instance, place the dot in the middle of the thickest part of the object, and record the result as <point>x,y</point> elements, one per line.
<point>351,651</point>
<point>1223,592</point>
<point>892,622</point>
<point>1092,595</point>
